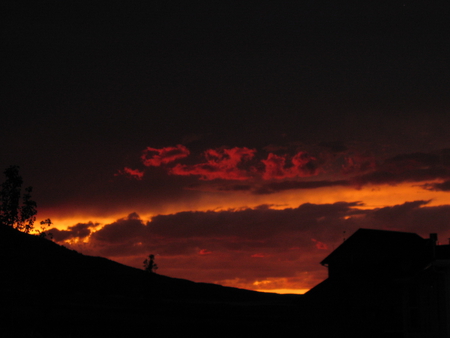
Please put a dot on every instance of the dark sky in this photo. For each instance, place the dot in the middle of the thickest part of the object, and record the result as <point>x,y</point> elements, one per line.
<point>248,109</point>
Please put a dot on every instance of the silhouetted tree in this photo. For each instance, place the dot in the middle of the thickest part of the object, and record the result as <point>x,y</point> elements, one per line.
<point>11,212</point>
<point>149,264</point>
<point>42,233</point>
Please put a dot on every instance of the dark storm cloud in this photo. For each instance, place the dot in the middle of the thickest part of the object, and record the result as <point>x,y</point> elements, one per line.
<point>262,228</point>
<point>268,228</point>
<point>392,215</point>
<point>413,160</point>
<point>252,244</point>
<point>235,187</point>
<point>393,178</point>
<point>124,230</point>
<point>413,167</point>
<point>358,163</point>
<point>335,147</point>
<point>77,231</point>
<point>444,186</point>
<point>413,216</point>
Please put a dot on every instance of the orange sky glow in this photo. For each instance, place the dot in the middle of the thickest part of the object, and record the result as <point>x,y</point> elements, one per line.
<point>238,144</point>
<point>371,197</point>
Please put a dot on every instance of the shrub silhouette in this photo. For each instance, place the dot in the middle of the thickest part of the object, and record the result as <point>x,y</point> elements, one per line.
<point>149,264</point>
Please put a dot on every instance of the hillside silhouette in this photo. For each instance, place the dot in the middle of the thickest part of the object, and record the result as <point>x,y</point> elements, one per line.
<point>49,290</point>
<point>380,284</point>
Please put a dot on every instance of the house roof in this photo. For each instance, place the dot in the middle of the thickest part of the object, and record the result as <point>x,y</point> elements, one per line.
<point>368,248</point>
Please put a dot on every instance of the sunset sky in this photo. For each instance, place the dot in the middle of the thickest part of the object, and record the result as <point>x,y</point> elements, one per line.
<point>239,144</point>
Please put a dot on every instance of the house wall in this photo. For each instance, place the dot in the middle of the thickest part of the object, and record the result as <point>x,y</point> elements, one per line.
<point>426,303</point>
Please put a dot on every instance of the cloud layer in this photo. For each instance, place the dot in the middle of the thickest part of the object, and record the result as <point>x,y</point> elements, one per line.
<point>220,164</point>
<point>153,157</point>
<point>252,248</point>
<point>277,169</point>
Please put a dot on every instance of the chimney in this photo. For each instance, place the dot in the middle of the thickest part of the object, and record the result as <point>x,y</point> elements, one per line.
<point>433,240</point>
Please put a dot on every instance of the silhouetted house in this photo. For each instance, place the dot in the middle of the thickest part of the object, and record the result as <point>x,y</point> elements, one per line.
<point>387,284</point>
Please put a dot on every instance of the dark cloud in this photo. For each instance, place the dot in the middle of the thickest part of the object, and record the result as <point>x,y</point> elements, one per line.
<point>124,230</point>
<point>413,216</point>
<point>275,187</point>
<point>413,160</point>
<point>443,186</point>
<point>335,147</point>
<point>395,177</point>
<point>251,244</point>
<point>392,215</point>
<point>77,231</point>
<point>413,167</point>
<point>235,187</point>
<point>257,229</point>
<point>361,162</point>
<point>259,224</point>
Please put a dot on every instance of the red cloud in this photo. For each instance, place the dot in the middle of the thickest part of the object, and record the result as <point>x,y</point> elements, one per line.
<point>359,163</point>
<point>302,166</point>
<point>320,245</point>
<point>134,173</point>
<point>228,164</point>
<point>258,255</point>
<point>220,163</point>
<point>153,157</point>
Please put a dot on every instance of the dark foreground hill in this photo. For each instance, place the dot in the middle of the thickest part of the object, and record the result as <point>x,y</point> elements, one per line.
<point>48,290</point>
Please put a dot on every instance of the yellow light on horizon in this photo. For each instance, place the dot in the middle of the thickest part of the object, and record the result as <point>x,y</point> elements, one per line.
<point>371,197</point>
<point>285,291</point>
